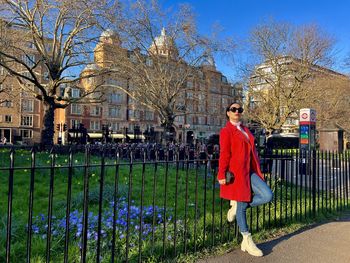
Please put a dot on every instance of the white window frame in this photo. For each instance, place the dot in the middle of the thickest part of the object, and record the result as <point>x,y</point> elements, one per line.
<point>8,117</point>
<point>95,125</point>
<point>74,123</point>
<point>115,98</point>
<point>149,62</point>
<point>29,60</point>
<point>115,126</point>
<point>116,110</point>
<point>148,115</point>
<point>76,109</point>
<point>29,107</point>
<point>189,95</point>
<point>95,111</point>
<point>30,132</point>
<point>7,104</point>
<point>189,84</point>
<point>75,93</point>
<point>27,120</point>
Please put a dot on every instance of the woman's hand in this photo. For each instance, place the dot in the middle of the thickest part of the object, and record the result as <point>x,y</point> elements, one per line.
<point>222,181</point>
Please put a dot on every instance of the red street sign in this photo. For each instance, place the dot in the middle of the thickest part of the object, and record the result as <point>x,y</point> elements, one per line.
<point>304,115</point>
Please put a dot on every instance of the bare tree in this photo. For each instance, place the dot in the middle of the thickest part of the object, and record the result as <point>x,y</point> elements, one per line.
<point>45,44</point>
<point>283,58</point>
<point>331,99</point>
<point>4,92</point>
<point>165,51</point>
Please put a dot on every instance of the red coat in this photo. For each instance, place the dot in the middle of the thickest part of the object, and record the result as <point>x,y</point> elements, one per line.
<point>239,154</point>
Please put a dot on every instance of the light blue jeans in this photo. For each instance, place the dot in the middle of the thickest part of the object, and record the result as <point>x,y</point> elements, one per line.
<point>262,195</point>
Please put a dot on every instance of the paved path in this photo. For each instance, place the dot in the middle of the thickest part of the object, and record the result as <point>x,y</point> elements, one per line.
<point>324,243</point>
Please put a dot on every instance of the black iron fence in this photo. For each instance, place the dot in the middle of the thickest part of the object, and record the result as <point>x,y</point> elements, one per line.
<point>119,204</point>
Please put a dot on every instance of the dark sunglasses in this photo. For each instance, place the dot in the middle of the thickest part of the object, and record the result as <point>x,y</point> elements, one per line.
<point>234,109</point>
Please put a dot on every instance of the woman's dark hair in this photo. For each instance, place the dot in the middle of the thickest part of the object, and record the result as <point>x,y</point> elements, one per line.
<point>229,106</point>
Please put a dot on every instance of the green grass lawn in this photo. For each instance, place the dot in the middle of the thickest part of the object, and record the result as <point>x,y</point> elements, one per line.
<point>185,201</point>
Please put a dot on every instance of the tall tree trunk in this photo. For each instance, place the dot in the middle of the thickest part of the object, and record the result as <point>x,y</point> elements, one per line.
<point>168,129</point>
<point>48,131</point>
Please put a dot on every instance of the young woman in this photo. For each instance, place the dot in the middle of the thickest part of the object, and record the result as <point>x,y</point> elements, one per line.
<point>238,155</point>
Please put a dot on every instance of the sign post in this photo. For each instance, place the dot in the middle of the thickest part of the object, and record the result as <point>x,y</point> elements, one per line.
<point>307,129</point>
<point>307,137</point>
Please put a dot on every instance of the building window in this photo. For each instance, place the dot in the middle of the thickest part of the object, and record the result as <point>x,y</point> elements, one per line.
<point>75,93</point>
<point>189,84</point>
<point>133,58</point>
<point>115,126</point>
<point>149,62</point>
<point>149,116</point>
<point>224,101</point>
<point>7,103</point>
<point>27,74</point>
<point>201,108</point>
<point>180,119</point>
<point>27,120</point>
<point>95,111</point>
<point>29,60</point>
<point>115,82</point>
<point>224,79</point>
<point>134,114</point>
<point>8,118</point>
<point>31,45</point>
<point>189,107</point>
<point>211,121</point>
<point>115,98</point>
<point>46,76</point>
<point>27,92</point>
<point>26,134</point>
<point>132,101</point>
<point>62,91</point>
<point>189,95</point>
<point>114,112</point>
<point>95,125</point>
<point>6,88</point>
<point>27,105</point>
<point>200,75</point>
<point>76,109</point>
<point>48,46</point>
<point>75,124</point>
<point>201,120</point>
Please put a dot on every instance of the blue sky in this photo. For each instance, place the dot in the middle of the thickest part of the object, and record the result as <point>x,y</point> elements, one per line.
<point>238,17</point>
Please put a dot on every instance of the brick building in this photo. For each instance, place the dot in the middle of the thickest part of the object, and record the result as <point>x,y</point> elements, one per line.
<point>121,114</point>
<point>21,113</point>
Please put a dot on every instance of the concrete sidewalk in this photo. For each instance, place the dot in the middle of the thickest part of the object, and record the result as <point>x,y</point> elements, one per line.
<point>323,243</point>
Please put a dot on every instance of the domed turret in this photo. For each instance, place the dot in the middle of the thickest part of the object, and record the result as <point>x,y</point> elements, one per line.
<point>208,60</point>
<point>88,80</point>
<point>163,45</point>
<point>110,37</point>
<point>91,67</point>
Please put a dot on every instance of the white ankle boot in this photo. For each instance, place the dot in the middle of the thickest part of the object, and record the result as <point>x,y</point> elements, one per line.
<point>231,214</point>
<point>249,246</point>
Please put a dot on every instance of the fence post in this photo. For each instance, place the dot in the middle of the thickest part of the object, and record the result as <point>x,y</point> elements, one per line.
<point>313,174</point>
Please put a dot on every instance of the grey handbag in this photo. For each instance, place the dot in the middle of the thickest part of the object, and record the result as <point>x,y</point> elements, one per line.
<point>229,177</point>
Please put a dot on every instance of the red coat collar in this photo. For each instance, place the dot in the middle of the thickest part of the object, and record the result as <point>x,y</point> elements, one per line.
<point>233,128</point>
